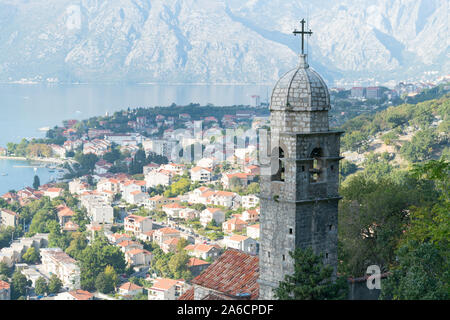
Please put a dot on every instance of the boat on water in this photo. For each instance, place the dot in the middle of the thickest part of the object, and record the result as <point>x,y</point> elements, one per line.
<point>4,174</point>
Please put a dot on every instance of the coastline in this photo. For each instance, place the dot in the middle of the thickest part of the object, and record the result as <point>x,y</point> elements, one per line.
<point>46,160</point>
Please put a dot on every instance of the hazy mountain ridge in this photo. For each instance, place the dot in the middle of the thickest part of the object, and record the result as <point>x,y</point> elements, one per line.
<point>218,41</point>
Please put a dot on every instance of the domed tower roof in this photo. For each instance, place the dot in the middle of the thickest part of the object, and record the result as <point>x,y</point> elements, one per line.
<point>300,101</point>
<point>301,89</point>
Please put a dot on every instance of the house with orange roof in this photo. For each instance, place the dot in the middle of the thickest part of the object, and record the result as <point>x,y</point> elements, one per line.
<point>138,257</point>
<point>146,236</point>
<point>79,295</point>
<point>212,214</point>
<point>137,224</point>
<point>170,245</point>
<point>242,243</point>
<point>205,197</point>
<point>243,178</point>
<point>175,168</point>
<point>252,169</point>
<point>167,289</point>
<point>93,228</point>
<point>156,202</point>
<point>53,192</point>
<point>129,189</point>
<point>173,209</point>
<point>28,194</point>
<point>70,226</point>
<point>10,197</point>
<point>65,214</point>
<point>203,251</point>
<point>201,174</point>
<point>108,184</point>
<point>116,238</point>
<point>5,290</point>
<point>196,266</point>
<point>163,234</point>
<point>8,218</point>
<point>250,215</point>
<point>130,289</point>
<point>128,245</point>
<point>234,225</point>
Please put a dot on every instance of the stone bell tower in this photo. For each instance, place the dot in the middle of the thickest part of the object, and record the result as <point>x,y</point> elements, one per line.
<point>299,197</point>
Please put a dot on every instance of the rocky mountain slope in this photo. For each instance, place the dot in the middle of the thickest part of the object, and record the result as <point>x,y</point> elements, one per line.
<point>219,41</point>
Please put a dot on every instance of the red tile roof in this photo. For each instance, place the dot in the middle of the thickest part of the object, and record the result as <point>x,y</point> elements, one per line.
<point>70,226</point>
<point>167,230</point>
<point>65,212</point>
<point>173,206</point>
<point>232,273</point>
<point>188,295</point>
<point>4,285</point>
<point>81,294</point>
<point>196,262</point>
<point>238,238</point>
<point>164,283</point>
<point>236,221</point>
<point>136,218</point>
<point>195,169</point>
<point>129,286</point>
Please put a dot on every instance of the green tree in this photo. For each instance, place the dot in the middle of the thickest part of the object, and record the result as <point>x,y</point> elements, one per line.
<point>95,258</point>
<point>31,256</point>
<point>181,186</point>
<point>420,147</point>
<point>422,273</point>
<point>347,168</point>
<point>19,285</point>
<point>4,269</point>
<point>57,238</point>
<point>106,281</point>
<point>41,286</point>
<point>253,188</point>
<point>372,218</point>
<point>112,156</point>
<point>87,161</point>
<point>36,182</point>
<point>77,245</point>
<point>312,280</point>
<point>422,269</point>
<point>54,284</point>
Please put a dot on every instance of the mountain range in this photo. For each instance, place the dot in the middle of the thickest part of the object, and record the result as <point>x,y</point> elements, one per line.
<point>221,41</point>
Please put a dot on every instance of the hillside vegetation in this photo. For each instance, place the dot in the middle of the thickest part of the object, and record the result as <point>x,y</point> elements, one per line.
<point>416,132</point>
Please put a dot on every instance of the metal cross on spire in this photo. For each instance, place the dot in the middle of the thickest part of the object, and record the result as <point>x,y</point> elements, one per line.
<point>303,33</point>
